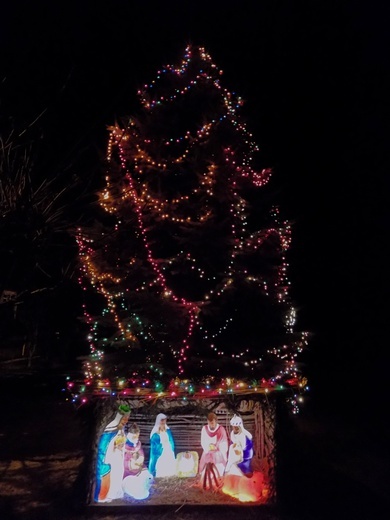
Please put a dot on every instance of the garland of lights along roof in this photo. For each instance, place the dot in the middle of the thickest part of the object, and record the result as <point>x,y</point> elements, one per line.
<point>196,295</point>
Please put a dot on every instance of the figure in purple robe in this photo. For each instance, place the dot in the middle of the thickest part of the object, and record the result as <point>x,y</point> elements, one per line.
<point>240,450</point>
<point>137,479</point>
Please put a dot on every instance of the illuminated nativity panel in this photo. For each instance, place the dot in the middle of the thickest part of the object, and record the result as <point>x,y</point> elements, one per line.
<point>174,451</point>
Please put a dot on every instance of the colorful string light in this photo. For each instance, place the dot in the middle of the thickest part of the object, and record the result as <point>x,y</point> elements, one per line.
<point>138,166</point>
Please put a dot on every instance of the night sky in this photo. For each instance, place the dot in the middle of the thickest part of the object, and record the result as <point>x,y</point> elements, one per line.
<point>315,77</point>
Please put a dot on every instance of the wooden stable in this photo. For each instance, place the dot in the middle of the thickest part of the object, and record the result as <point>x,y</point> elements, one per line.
<point>186,416</point>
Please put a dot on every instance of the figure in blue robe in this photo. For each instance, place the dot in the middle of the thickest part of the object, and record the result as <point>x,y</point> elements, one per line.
<point>162,461</point>
<point>240,450</point>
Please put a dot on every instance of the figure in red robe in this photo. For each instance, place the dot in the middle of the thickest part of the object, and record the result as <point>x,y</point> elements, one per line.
<point>214,441</point>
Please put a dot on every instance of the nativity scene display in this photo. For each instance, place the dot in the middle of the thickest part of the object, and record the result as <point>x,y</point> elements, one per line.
<point>173,460</point>
<point>186,300</point>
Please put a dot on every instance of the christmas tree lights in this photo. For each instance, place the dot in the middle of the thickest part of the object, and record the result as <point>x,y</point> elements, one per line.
<point>189,263</point>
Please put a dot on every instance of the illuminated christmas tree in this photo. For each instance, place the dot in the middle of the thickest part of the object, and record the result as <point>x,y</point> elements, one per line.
<point>189,255</point>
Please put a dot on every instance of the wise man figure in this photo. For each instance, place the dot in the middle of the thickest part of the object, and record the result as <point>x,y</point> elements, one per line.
<point>103,468</point>
<point>214,441</point>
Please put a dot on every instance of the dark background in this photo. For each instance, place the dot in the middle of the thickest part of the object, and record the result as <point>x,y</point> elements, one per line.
<point>315,77</point>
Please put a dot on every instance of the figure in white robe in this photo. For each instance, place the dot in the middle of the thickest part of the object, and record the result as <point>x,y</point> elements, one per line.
<point>115,457</point>
<point>136,479</point>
